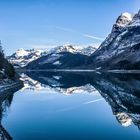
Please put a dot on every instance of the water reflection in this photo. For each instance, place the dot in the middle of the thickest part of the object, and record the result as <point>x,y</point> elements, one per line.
<point>5,102</point>
<point>121,91</point>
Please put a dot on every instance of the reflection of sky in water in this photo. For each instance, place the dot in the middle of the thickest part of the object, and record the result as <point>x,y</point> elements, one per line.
<point>40,111</point>
<point>57,116</point>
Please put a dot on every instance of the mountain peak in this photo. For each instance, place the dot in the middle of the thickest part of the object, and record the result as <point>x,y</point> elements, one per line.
<point>124,19</point>
<point>21,52</point>
<point>64,48</point>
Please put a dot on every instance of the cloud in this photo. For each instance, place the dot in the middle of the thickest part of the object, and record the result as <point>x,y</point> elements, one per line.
<point>74,31</point>
<point>93,37</point>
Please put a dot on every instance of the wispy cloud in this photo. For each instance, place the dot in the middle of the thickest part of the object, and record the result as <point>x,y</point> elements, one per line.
<point>74,31</point>
<point>93,37</point>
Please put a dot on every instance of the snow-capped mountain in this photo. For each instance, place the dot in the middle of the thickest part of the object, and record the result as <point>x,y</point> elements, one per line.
<point>64,60</point>
<point>107,48</point>
<point>74,49</point>
<point>22,58</point>
<point>121,49</point>
<point>63,48</point>
<point>87,50</point>
<point>61,56</point>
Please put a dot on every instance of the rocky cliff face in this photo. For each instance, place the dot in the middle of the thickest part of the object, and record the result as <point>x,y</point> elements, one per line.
<point>121,49</point>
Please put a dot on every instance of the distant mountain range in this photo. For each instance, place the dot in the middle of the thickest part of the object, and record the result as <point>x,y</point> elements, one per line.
<point>120,50</point>
<point>22,58</point>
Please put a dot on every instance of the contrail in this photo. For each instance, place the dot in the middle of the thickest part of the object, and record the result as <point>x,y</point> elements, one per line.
<point>73,31</point>
<point>93,37</point>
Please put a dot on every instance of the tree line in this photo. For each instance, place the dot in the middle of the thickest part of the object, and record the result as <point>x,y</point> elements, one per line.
<point>5,66</point>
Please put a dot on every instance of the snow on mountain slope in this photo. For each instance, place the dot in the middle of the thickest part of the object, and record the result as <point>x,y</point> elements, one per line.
<point>74,49</point>
<point>117,31</point>
<point>120,50</point>
<point>87,50</point>
<point>64,48</point>
<point>22,57</point>
<point>124,19</point>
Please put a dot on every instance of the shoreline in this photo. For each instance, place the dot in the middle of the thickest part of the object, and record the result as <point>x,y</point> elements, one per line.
<point>81,70</point>
<point>9,87</point>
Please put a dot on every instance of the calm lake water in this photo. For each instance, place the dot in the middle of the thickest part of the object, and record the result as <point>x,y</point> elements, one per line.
<point>71,106</point>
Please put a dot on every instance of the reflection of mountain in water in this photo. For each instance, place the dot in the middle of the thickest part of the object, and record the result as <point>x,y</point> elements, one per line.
<point>31,84</point>
<point>56,81</point>
<point>121,91</point>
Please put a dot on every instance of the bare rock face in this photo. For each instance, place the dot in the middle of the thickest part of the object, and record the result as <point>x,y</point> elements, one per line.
<point>124,19</point>
<point>121,49</point>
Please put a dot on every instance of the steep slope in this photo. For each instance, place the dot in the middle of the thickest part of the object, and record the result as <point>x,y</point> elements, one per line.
<point>120,50</point>
<point>87,50</point>
<point>63,60</point>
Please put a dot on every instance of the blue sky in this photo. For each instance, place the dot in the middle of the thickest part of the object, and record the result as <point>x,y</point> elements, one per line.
<point>45,23</point>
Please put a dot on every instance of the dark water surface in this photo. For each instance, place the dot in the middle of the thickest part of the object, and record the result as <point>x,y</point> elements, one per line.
<point>71,106</point>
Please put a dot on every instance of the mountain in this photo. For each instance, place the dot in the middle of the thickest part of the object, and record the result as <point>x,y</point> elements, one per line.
<point>121,49</point>
<point>87,50</point>
<point>63,48</point>
<point>22,58</point>
<point>62,57</point>
<point>63,60</point>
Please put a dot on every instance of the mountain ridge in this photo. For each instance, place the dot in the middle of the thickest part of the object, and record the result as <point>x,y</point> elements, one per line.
<point>22,58</point>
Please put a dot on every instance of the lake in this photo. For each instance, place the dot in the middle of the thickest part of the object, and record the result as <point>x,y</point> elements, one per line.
<point>71,106</point>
